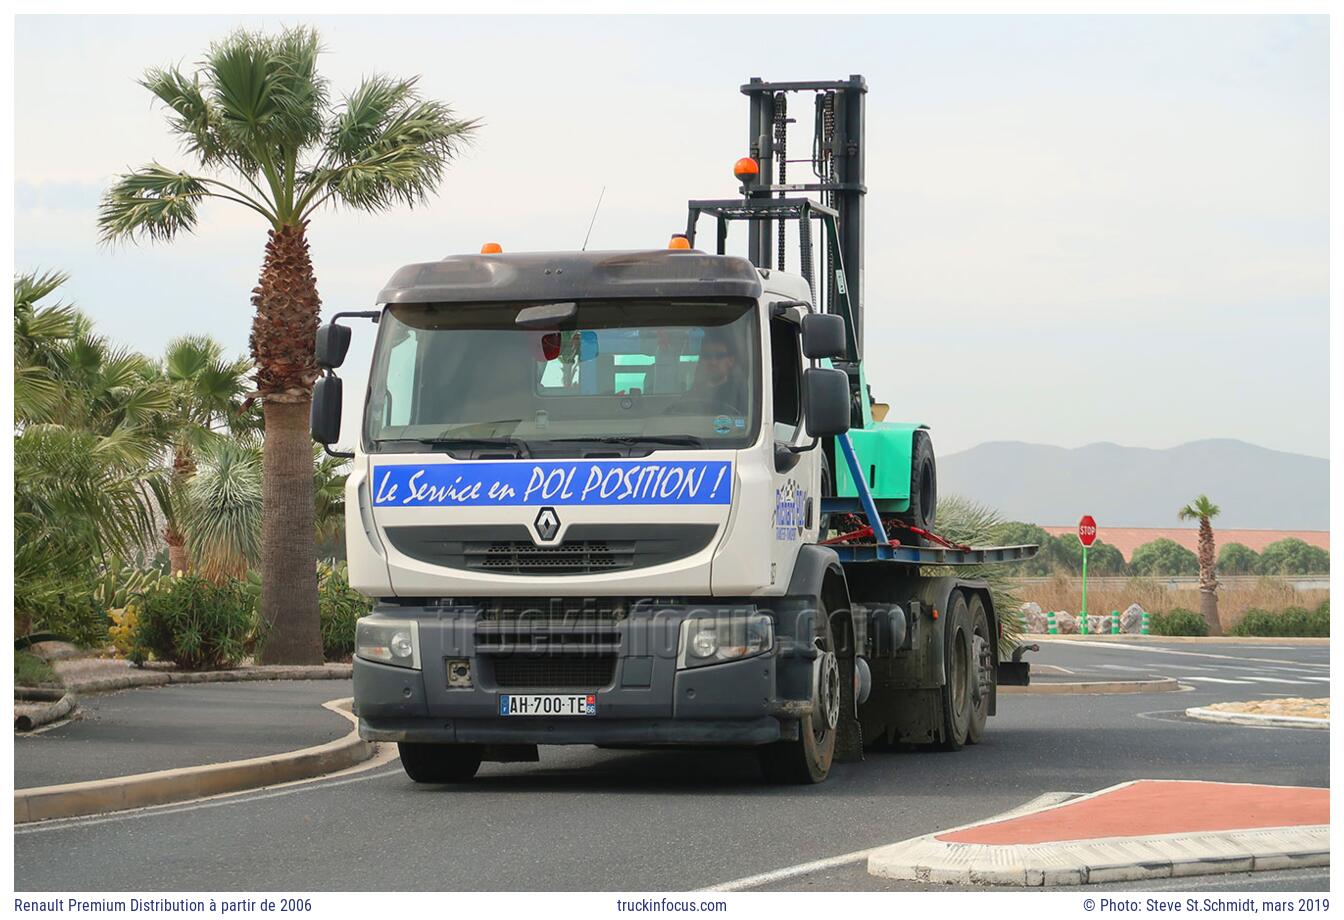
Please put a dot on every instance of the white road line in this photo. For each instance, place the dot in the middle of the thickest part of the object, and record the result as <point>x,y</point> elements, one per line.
<point>1324,680</point>
<point>755,881</point>
<point>1276,680</point>
<point>1213,680</point>
<point>1109,646</point>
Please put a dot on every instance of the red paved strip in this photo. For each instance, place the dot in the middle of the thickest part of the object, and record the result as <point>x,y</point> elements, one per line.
<point>1151,807</point>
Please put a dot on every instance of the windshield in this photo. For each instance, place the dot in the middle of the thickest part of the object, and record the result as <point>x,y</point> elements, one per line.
<point>640,373</point>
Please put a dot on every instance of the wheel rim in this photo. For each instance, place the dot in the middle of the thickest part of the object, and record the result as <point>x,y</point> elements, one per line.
<point>828,695</point>
<point>984,668</point>
<point>960,672</point>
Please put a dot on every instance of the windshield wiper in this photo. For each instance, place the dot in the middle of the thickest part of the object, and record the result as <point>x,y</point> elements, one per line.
<point>517,444</point>
<point>685,440</point>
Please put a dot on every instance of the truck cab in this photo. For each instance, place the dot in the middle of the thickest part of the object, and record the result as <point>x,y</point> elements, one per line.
<point>580,492</point>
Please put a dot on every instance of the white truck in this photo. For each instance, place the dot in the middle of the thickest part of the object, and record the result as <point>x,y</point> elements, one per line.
<point>640,498</point>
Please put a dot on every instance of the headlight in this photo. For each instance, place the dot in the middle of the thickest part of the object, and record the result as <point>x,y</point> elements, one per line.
<point>727,637</point>
<point>394,642</point>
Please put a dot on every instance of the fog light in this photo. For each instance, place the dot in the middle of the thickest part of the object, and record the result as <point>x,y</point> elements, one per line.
<point>459,672</point>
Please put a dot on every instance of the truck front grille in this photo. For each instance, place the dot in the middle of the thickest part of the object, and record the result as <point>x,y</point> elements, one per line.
<point>554,672</point>
<point>508,549</point>
<point>519,557</point>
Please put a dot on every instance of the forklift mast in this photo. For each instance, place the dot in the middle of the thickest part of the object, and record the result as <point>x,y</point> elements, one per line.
<point>835,161</point>
<point>770,202</point>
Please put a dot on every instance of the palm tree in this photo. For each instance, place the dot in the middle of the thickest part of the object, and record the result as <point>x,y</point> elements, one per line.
<point>207,394</point>
<point>1205,510</point>
<point>257,119</point>
<point>85,455</point>
<point>220,509</point>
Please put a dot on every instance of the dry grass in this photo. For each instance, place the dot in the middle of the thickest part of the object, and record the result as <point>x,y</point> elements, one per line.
<point>1064,592</point>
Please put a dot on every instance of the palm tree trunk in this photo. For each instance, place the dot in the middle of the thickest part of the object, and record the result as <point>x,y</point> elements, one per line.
<point>283,335</point>
<point>184,465</point>
<point>1208,579</point>
<point>288,554</point>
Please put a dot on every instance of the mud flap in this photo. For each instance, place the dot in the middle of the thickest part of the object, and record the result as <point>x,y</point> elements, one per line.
<point>1014,673</point>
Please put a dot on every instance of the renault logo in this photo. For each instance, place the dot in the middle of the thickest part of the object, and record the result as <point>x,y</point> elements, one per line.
<point>547,524</point>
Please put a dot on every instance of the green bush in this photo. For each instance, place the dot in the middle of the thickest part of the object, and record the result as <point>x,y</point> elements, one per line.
<point>1294,621</point>
<point>1163,557</point>
<point>31,671</point>
<point>339,606</point>
<point>195,623</point>
<point>1178,622</point>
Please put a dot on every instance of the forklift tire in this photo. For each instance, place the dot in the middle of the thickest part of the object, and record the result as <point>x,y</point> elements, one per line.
<point>923,508</point>
<point>959,666</point>
<point>439,763</point>
<point>982,657</point>
<point>807,760</point>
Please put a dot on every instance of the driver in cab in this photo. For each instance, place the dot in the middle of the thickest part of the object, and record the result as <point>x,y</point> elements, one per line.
<point>716,373</point>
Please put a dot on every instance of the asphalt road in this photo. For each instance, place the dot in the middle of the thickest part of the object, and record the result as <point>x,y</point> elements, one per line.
<point>585,819</point>
<point>182,725</point>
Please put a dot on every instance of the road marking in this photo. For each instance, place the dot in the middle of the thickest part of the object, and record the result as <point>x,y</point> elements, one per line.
<point>1213,680</point>
<point>1276,680</point>
<point>1171,651</point>
<point>754,881</point>
<point>385,756</point>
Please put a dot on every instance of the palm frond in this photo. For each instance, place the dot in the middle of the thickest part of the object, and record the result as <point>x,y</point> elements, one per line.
<point>393,150</point>
<point>219,510</point>
<point>152,202</point>
<point>964,521</point>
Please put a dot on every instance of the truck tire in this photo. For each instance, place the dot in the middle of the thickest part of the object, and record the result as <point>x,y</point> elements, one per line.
<point>439,763</point>
<point>807,759</point>
<point>959,667</point>
<point>923,509</point>
<point>982,655</point>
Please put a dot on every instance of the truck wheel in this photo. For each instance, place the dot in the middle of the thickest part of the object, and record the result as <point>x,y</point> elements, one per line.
<point>808,759</point>
<point>982,657</point>
<point>959,666</point>
<point>439,763</point>
<point>923,484</point>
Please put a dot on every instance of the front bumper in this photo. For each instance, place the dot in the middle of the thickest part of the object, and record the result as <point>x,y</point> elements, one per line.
<point>644,697</point>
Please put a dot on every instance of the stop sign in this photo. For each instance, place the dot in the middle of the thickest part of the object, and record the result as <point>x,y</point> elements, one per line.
<point>1087,530</point>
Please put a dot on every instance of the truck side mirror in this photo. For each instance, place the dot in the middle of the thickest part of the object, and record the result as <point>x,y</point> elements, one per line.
<point>825,401</point>
<point>333,341</point>
<point>824,335</point>
<point>325,422</point>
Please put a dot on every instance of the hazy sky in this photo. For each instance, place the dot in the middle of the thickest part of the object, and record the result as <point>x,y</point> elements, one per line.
<point>1080,229</point>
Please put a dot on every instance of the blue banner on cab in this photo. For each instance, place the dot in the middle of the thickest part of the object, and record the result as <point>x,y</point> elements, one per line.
<point>553,482</point>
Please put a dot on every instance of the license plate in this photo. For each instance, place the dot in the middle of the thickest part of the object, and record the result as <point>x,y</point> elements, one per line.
<point>547,704</point>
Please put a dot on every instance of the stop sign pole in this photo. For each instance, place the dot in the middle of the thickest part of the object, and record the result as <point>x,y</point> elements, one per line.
<point>1087,535</point>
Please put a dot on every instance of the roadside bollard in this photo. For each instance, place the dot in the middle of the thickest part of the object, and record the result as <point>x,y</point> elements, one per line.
<point>1115,622</point>
<point>1051,627</point>
<point>1143,624</point>
<point>1082,624</point>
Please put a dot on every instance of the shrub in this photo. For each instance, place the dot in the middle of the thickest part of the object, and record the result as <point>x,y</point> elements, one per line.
<point>1295,621</point>
<point>1292,556</point>
<point>1237,559</point>
<point>31,671</point>
<point>1178,622</point>
<point>1163,557</point>
<point>195,623</point>
<point>339,606</point>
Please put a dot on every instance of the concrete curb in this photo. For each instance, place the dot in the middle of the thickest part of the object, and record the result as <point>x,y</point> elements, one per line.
<point>119,793</point>
<point>1257,719</point>
<point>1204,640</point>
<point>1112,859</point>
<point>162,678</point>
<point>1160,684</point>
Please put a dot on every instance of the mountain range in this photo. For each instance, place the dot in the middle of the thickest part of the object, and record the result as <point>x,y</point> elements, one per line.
<point>1140,487</point>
